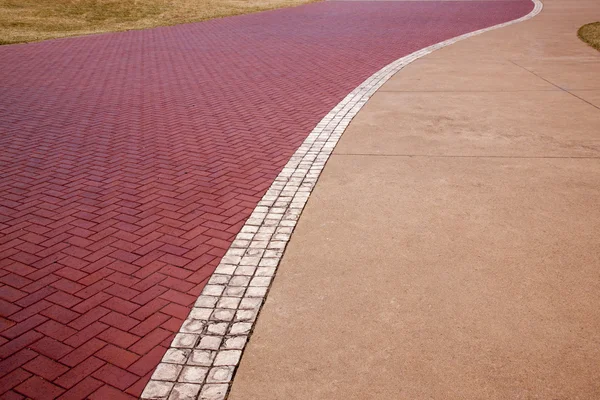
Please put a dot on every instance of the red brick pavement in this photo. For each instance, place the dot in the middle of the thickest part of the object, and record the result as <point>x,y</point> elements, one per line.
<point>129,161</point>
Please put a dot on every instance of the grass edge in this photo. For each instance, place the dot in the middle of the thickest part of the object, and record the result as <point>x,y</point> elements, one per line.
<point>586,40</point>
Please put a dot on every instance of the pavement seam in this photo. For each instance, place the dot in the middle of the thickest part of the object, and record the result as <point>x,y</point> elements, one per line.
<point>462,156</point>
<point>467,91</point>
<point>203,357</point>
<point>554,84</point>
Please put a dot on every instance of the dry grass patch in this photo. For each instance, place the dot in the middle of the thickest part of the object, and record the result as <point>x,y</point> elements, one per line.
<point>31,20</point>
<point>590,33</point>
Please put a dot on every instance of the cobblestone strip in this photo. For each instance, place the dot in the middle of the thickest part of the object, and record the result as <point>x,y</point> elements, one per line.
<point>202,359</point>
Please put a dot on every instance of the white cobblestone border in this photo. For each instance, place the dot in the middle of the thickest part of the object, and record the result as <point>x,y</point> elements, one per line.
<point>204,355</point>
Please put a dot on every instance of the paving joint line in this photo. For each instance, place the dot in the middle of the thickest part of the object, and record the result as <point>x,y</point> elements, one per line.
<point>203,357</point>
<point>467,91</point>
<point>462,156</point>
<point>554,84</point>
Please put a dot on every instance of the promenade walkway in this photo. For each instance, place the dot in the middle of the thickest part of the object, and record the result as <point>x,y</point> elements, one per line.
<point>450,248</point>
<point>131,160</point>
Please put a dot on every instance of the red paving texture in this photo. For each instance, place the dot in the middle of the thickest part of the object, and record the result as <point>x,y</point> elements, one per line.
<point>129,162</point>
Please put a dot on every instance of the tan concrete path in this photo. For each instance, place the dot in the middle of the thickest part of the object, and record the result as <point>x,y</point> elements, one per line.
<point>451,249</point>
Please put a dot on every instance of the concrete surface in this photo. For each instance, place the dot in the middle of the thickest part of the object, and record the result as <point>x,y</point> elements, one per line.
<point>450,249</point>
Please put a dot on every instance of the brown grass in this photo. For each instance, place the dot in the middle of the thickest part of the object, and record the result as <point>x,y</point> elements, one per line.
<point>31,20</point>
<point>590,33</point>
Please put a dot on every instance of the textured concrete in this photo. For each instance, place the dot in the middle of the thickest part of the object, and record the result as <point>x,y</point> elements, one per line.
<point>591,96</point>
<point>523,123</point>
<point>450,249</point>
<point>431,75</point>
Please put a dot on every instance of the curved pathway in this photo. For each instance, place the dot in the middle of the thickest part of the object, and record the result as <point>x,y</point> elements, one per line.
<point>131,160</point>
<point>453,234</point>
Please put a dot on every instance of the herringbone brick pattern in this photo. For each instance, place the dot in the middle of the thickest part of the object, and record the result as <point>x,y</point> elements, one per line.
<point>130,161</point>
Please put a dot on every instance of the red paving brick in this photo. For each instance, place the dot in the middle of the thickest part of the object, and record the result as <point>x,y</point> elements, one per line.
<point>130,161</point>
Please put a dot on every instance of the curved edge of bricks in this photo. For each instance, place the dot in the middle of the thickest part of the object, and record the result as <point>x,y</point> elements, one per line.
<point>204,355</point>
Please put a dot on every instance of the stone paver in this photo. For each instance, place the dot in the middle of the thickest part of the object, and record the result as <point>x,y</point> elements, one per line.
<point>130,161</point>
<point>223,317</point>
<point>452,234</point>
